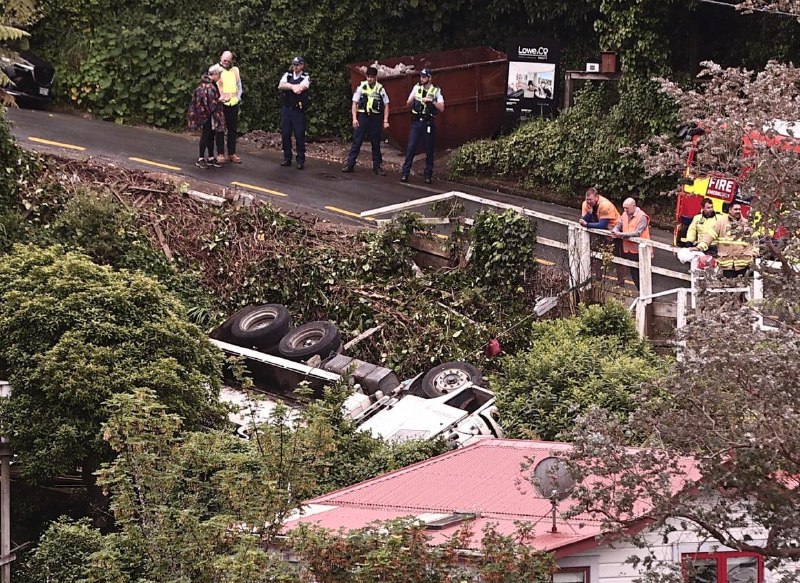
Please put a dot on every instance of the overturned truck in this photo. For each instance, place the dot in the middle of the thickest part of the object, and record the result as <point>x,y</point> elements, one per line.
<point>446,402</point>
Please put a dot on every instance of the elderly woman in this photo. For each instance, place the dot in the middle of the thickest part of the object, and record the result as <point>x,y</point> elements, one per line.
<point>205,113</point>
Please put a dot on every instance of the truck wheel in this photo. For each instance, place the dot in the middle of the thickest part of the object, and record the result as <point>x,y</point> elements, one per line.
<point>223,331</point>
<point>311,339</point>
<point>449,377</point>
<point>262,327</point>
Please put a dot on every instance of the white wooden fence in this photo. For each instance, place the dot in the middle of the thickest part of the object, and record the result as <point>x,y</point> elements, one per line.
<point>579,254</point>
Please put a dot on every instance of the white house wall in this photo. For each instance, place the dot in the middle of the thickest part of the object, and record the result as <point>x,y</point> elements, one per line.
<point>608,562</point>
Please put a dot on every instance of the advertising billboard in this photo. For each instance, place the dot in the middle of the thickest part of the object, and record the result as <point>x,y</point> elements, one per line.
<point>532,74</point>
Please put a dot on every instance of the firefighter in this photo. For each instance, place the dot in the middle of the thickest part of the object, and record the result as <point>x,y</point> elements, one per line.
<point>703,222</point>
<point>370,106</point>
<point>426,102</point>
<point>734,253</point>
<point>633,222</point>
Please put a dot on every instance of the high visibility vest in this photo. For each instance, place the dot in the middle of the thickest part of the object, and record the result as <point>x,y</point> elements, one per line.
<point>605,210</point>
<point>422,110</point>
<point>629,225</point>
<point>699,226</point>
<point>229,86</point>
<point>371,98</point>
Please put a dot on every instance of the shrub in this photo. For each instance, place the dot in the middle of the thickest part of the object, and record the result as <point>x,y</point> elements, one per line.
<point>581,147</point>
<point>574,365</point>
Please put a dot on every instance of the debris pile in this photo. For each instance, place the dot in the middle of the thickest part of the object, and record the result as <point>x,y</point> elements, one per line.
<point>384,71</point>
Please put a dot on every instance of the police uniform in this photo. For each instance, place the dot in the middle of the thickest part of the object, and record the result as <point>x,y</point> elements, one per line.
<point>293,114</point>
<point>422,125</point>
<point>371,105</point>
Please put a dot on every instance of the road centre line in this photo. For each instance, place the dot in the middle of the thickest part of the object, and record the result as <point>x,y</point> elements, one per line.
<point>258,188</point>
<point>59,144</point>
<point>347,213</point>
<point>152,163</point>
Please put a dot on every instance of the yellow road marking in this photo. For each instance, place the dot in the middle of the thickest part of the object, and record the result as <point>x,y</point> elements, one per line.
<point>348,213</point>
<point>259,188</point>
<point>59,144</point>
<point>151,163</point>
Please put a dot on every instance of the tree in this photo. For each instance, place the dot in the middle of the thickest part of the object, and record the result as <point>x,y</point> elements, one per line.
<point>400,551</point>
<point>730,402</point>
<point>72,335</point>
<point>593,360</point>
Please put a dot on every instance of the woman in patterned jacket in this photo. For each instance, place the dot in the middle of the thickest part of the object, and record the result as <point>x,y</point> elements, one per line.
<point>205,113</point>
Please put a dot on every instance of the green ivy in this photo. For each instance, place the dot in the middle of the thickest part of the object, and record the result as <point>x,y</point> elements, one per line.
<point>581,147</point>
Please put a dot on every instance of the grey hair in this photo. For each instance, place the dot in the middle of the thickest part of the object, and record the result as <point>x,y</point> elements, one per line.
<point>215,69</point>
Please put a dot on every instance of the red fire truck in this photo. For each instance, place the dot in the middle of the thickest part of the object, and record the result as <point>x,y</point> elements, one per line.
<point>719,187</point>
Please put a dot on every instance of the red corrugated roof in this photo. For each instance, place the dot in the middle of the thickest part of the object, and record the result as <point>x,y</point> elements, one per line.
<point>485,479</point>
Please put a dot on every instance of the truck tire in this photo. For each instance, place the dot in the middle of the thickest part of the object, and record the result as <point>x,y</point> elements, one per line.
<point>223,331</point>
<point>310,339</point>
<point>261,327</point>
<point>449,377</point>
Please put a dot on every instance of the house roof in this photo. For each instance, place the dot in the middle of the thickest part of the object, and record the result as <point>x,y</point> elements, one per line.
<point>486,479</point>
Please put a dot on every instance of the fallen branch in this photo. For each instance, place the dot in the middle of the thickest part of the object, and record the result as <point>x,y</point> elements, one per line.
<point>362,336</point>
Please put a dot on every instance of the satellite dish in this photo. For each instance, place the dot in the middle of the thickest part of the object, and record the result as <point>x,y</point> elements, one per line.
<point>552,478</point>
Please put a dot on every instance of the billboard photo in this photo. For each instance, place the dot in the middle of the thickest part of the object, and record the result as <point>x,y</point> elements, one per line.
<point>531,86</point>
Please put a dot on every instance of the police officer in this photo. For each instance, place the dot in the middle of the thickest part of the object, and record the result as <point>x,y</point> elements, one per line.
<point>426,101</point>
<point>370,106</point>
<point>294,86</point>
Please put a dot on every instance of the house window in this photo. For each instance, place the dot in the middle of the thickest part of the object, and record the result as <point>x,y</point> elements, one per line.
<point>571,575</point>
<point>732,567</point>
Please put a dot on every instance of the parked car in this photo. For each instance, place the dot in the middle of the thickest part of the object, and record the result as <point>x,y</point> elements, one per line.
<point>32,79</point>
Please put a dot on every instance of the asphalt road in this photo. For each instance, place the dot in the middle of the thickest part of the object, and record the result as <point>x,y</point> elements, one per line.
<point>320,188</point>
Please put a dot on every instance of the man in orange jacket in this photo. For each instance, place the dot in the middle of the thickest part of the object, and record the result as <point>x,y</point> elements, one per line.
<point>633,222</point>
<point>597,212</point>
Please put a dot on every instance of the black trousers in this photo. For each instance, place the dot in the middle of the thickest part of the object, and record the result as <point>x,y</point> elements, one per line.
<point>232,123</point>
<point>368,126</point>
<point>293,121</point>
<point>207,140</point>
<point>634,270</point>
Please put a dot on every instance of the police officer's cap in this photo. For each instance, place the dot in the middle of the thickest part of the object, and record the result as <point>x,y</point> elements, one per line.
<point>298,60</point>
<point>425,72</point>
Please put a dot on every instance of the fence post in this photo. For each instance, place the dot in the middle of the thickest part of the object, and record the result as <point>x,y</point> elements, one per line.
<point>579,255</point>
<point>645,288</point>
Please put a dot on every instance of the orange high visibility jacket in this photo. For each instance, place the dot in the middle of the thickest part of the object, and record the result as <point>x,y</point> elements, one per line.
<point>629,225</point>
<point>605,210</point>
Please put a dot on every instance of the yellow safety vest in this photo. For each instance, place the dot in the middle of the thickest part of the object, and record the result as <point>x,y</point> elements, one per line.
<point>374,99</point>
<point>229,80</point>
<point>425,110</point>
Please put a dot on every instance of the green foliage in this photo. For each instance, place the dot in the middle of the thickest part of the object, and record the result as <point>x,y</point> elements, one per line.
<point>72,334</point>
<point>636,29</point>
<point>123,78</point>
<point>97,225</point>
<point>17,170</point>
<point>593,360</point>
<point>503,248</point>
<point>581,147</point>
<point>185,501</point>
<point>62,553</point>
<point>400,551</point>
